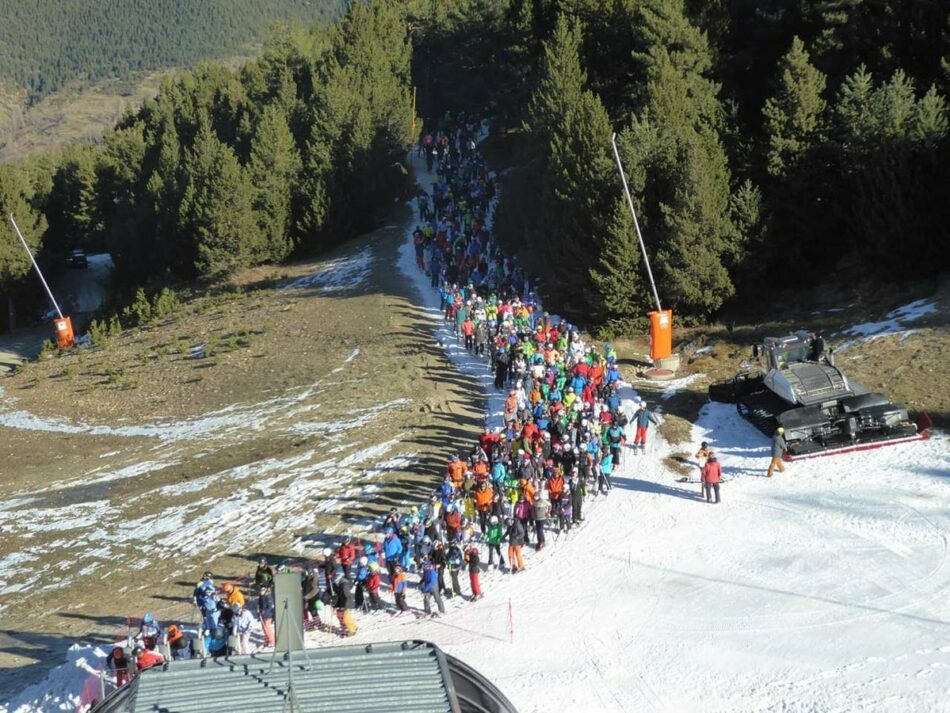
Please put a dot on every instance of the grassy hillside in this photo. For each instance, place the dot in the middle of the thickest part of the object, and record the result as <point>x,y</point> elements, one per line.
<point>45,46</point>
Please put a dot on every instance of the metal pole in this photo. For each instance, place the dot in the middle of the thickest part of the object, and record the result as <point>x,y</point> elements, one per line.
<point>636,223</point>
<point>37,267</point>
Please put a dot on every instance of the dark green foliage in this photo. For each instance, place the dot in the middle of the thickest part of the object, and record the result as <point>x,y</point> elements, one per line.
<point>619,277</point>
<point>577,183</point>
<point>794,117</point>
<point>16,195</point>
<point>274,167</point>
<point>44,45</point>
<point>216,214</point>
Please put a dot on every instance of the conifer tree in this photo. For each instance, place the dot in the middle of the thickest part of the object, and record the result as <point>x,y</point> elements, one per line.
<point>571,127</point>
<point>794,116</point>
<point>618,277</point>
<point>274,168</point>
<point>217,214</point>
<point>15,199</point>
<point>72,203</point>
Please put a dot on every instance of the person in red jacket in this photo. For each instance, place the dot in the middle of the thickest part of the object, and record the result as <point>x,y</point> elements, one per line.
<point>347,553</point>
<point>146,659</point>
<point>712,474</point>
<point>468,331</point>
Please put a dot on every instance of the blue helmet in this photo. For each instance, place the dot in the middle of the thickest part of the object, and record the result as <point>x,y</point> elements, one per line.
<point>148,619</point>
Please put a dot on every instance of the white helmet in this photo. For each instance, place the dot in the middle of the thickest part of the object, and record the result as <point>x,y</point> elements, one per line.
<point>327,552</point>
<point>494,519</point>
<point>364,561</point>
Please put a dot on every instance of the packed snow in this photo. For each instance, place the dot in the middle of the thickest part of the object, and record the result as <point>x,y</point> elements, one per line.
<point>824,588</point>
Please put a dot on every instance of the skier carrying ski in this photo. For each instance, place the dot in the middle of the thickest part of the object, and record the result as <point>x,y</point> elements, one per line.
<point>643,419</point>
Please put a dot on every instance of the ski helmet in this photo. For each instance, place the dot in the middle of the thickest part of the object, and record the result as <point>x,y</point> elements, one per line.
<point>327,552</point>
<point>494,519</point>
<point>364,561</point>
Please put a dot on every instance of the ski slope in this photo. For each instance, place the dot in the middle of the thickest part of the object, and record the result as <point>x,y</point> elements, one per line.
<point>822,589</point>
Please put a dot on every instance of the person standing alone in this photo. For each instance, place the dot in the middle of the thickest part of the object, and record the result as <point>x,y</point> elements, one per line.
<point>779,446</point>
<point>712,475</point>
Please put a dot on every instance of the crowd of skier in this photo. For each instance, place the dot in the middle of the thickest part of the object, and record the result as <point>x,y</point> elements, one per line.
<point>563,432</point>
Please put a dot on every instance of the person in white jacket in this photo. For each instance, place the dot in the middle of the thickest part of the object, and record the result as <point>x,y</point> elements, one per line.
<point>242,623</point>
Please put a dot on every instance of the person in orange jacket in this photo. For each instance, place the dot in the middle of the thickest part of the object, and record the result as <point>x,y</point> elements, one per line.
<point>480,470</point>
<point>527,487</point>
<point>456,471</point>
<point>146,659</point>
<point>712,475</point>
<point>484,494</point>
<point>234,595</point>
<point>555,486</point>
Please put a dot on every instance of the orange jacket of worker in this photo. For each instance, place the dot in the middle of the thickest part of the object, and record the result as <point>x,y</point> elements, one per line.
<point>556,486</point>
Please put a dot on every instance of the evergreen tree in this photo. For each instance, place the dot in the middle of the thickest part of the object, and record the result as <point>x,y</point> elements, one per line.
<point>16,199</point>
<point>622,297</point>
<point>274,168</point>
<point>71,203</point>
<point>570,125</point>
<point>678,167</point>
<point>217,214</point>
<point>794,116</point>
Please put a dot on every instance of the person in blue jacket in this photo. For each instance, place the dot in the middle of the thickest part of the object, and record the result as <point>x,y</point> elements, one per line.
<point>430,589</point>
<point>392,549</point>
<point>643,419</point>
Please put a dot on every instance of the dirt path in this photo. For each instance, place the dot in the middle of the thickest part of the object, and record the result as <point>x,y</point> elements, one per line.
<point>322,399</point>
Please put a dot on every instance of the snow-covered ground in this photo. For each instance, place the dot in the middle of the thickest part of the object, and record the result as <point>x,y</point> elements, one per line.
<point>822,589</point>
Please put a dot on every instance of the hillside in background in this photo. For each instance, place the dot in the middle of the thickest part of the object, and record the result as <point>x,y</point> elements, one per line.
<point>46,46</point>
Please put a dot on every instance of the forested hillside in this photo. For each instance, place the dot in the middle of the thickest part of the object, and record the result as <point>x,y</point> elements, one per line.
<point>768,143</point>
<point>226,169</point>
<point>45,45</point>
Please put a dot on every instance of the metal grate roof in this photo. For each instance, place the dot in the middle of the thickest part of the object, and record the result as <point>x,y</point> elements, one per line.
<point>410,677</point>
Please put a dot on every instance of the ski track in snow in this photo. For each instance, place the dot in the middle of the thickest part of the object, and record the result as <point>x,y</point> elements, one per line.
<point>822,589</point>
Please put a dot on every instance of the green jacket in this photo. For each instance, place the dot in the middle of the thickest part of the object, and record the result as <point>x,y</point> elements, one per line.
<point>494,534</point>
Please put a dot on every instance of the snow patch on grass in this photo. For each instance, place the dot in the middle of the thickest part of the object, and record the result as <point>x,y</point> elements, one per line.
<point>893,321</point>
<point>672,387</point>
<point>337,275</point>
